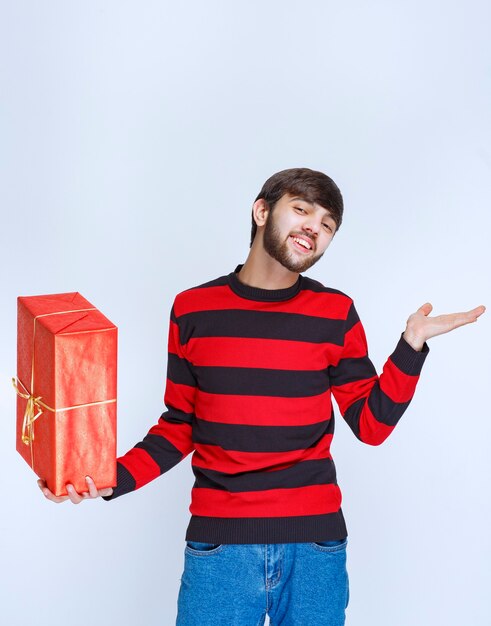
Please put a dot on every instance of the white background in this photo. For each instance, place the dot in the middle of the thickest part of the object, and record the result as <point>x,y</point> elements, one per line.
<point>134,139</point>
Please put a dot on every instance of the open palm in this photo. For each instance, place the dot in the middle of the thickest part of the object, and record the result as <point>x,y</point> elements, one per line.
<point>420,326</point>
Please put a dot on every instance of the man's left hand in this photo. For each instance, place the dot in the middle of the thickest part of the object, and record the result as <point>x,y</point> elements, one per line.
<point>420,327</point>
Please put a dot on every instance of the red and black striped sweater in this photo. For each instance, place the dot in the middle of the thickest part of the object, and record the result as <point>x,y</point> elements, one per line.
<point>250,375</point>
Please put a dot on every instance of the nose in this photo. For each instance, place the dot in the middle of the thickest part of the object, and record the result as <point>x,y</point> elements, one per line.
<point>312,225</point>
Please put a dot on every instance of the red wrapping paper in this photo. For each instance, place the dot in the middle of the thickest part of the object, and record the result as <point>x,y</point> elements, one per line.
<point>67,357</point>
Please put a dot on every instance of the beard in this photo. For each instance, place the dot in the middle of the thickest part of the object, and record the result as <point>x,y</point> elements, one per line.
<point>281,251</point>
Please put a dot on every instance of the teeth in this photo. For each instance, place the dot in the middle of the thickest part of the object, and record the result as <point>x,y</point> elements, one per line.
<point>302,242</point>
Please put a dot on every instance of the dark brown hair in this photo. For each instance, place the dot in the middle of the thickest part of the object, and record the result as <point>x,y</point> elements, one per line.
<point>312,186</point>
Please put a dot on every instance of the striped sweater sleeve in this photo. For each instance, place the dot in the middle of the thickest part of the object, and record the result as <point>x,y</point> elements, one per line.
<point>170,440</point>
<point>371,404</point>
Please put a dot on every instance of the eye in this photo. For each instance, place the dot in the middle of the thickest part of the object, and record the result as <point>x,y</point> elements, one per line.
<point>327,226</point>
<point>299,209</point>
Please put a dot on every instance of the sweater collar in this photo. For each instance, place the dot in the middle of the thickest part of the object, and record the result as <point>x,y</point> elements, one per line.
<point>257,293</point>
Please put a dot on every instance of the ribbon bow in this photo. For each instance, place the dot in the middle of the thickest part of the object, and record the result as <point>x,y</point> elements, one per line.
<point>30,416</point>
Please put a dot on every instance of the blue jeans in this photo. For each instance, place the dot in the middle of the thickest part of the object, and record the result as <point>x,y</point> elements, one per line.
<point>296,584</point>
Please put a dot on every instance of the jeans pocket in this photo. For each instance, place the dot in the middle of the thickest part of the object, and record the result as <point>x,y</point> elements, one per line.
<point>203,548</point>
<point>334,545</point>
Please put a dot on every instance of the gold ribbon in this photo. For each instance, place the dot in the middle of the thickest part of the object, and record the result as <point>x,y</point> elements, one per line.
<point>34,402</point>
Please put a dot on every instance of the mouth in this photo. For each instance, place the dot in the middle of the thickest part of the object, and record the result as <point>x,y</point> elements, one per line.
<point>300,247</point>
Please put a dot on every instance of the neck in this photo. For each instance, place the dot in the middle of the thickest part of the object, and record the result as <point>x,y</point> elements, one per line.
<point>262,294</point>
<point>264,272</point>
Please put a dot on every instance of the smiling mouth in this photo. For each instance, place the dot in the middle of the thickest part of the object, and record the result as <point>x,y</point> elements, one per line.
<point>299,246</point>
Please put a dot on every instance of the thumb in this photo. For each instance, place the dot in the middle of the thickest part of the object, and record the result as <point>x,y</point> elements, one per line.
<point>425,309</point>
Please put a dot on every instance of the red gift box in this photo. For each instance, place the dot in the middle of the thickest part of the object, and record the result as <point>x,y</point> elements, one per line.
<point>66,390</point>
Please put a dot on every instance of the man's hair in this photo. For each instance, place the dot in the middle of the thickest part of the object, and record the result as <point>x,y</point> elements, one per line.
<point>310,185</point>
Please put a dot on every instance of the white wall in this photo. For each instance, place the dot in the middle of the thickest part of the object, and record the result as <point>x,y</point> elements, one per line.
<point>134,139</point>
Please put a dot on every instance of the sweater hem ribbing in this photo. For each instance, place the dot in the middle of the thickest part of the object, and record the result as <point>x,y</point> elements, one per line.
<point>298,529</point>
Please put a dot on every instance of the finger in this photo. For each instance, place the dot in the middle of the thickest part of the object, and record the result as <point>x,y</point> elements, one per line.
<point>479,310</point>
<point>466,317</point>
<point>48,494</point>
<point>92,488</point>
<point>108,491</point>
<point>75,497</point>
<point>425,309</point>
<point>446,323</point>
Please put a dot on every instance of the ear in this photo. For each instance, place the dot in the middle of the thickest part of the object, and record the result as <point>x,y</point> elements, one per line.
<point>260,210</point>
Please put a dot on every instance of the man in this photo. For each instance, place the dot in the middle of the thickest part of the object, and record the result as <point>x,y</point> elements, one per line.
<point>254,357</point>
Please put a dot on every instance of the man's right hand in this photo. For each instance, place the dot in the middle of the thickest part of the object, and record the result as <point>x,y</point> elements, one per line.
<point>75,497</point>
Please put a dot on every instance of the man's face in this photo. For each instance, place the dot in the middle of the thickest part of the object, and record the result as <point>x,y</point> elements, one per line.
<point>294,217</point>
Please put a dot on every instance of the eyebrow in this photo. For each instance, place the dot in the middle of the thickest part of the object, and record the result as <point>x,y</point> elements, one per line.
<point>327,212</point>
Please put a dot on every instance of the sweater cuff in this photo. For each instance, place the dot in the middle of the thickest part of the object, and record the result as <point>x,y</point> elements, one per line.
<point>124,483</point>
<point>407,359</point>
